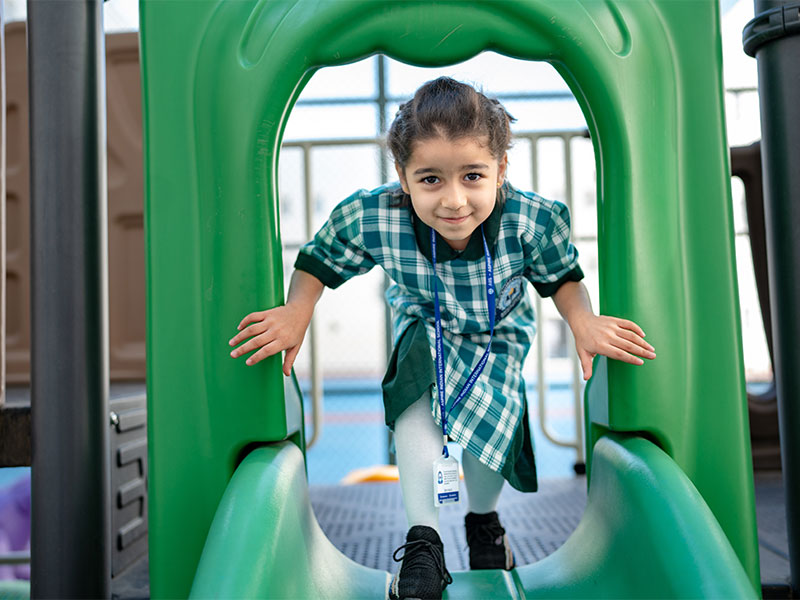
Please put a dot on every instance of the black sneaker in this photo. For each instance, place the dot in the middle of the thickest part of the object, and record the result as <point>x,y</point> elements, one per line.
<point>488,542</point>
<point>422,573</point>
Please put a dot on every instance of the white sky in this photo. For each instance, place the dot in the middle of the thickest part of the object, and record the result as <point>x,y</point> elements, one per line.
<point>740,70</point>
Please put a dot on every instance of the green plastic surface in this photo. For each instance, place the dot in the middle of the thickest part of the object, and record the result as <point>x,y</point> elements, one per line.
<point>646,533</point>
<point>15,590</point>
<point>264,541</point>
<point>219,80</point>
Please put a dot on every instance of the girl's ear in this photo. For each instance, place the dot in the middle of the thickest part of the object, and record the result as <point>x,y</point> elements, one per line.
<point>501,170</point>
<point>402,175</point>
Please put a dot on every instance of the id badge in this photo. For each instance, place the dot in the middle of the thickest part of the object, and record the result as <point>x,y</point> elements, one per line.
<point>445,481</point>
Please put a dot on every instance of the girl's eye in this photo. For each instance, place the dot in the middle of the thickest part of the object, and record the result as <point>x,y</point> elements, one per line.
<point>472,176</point>
<point>431,180</point>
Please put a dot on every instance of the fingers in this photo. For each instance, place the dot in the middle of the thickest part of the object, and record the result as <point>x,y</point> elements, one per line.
<point>254,324</point>
<point>255,343</point>
<point>586,364</point>
<point>633,336</point>
<point>266,333</point>
<point>625,351</point>
<point>623,356</point>
<point>254,329</point>
<point>628,336</point>
<point>252,318</point>
<point>288,360</point>
<point>618,339</point>
<point>644,349</point>
<point>626,324</point>
<point>633,347</point>
<point>265,352</point>
<point>615,338</point>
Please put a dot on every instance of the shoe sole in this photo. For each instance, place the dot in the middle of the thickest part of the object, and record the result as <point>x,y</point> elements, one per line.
<point>393,593</point>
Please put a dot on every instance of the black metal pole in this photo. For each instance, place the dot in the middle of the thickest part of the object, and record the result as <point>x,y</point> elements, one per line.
<point>70,538</point>
<point>773,37</point>
<point>2,208</point>
<point>762,406</point>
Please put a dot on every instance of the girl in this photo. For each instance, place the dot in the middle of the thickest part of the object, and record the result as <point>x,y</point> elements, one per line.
<point>459,242</point>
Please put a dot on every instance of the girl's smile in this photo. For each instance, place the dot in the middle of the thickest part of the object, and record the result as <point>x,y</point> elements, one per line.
<point>453,185</point>
<point>454,220</point>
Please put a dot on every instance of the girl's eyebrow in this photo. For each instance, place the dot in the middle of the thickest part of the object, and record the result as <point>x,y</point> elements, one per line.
<point>422,170</point>
<point>470,167</point>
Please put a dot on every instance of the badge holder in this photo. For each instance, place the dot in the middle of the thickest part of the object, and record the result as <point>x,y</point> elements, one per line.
<point>445,468</point>
<point>445,479</point>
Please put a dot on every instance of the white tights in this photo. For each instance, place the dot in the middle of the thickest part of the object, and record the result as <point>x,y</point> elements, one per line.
<point>418,442</point>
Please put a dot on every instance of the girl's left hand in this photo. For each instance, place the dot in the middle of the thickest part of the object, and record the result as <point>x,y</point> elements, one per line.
<point>615,338</point>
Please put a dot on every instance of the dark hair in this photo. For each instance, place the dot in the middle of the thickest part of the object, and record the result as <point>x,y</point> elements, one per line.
<point>450,109</point>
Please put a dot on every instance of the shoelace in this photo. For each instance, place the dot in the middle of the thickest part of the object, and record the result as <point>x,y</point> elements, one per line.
<point>413,551</point>
<point>487,533</point>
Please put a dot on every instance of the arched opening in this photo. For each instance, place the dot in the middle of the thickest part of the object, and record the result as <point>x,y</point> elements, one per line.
<point>653,198</point>
<point>333,145</point>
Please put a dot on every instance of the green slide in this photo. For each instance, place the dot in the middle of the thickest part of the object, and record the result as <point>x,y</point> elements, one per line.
<point>671,509</point>
<point>15,590</point>
<point>643,513</point>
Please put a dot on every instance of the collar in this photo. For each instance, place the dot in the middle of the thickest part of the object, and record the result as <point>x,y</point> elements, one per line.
<point>444,252</point>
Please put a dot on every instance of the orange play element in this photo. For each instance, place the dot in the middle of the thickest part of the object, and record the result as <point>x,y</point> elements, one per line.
<point>371,474</point>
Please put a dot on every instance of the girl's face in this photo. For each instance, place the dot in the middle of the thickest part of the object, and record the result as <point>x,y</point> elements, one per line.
<point>453,185</point>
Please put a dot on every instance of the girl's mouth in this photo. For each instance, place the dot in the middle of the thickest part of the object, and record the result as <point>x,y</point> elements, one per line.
<point>454,220</point>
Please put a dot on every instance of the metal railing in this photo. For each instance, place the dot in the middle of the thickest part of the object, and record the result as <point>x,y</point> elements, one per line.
<point>15,558</point>
<point>317,410</point>
<point>306,146</point>
<point>578,443</point>
<point>577,387</point>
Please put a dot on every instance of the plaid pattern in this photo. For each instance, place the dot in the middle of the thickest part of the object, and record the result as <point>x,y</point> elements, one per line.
<point>531,240</point>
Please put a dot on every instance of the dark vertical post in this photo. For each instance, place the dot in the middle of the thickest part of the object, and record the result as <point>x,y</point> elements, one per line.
<point>382,100</point>
<point>2,207</point>
<point>773,37</point>
<point>70,545</point>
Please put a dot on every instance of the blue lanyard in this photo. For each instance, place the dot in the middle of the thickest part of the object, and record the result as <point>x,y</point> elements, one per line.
<point>470,383</point>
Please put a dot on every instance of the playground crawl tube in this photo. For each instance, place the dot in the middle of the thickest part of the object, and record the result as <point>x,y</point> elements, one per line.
<point>219,80</point>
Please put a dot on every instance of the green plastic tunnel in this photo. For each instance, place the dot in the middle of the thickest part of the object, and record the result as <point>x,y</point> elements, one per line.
<point>219,81</point>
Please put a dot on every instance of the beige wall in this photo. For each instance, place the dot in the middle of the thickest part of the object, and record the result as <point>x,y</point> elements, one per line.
<point>125,205</point>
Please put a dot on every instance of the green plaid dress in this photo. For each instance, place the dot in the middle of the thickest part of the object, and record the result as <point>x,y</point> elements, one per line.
<point>529,240</point>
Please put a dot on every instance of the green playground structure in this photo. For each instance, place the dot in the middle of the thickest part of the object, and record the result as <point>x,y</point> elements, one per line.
<point>671,505</point>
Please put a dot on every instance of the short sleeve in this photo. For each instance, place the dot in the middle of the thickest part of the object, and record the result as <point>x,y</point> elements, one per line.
<point>556,259</point>
<point>337,252</point>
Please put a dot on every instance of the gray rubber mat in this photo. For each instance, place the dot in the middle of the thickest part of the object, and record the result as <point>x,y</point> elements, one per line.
<point>773,543</point>
<point>367,522</point>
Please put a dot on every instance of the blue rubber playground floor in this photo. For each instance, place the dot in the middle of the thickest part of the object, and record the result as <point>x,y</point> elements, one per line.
<point>354,435</point>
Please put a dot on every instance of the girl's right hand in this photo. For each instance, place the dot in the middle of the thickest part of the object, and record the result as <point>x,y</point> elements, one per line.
<point>272,331</point>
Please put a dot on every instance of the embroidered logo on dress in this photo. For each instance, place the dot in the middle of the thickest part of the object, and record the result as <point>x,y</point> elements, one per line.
<point>509,296</point>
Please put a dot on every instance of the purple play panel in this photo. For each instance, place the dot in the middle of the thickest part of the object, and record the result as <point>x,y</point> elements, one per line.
<point>15,524</point>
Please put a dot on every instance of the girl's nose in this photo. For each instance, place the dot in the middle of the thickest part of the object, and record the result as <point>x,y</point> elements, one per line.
<point>454,198</point>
